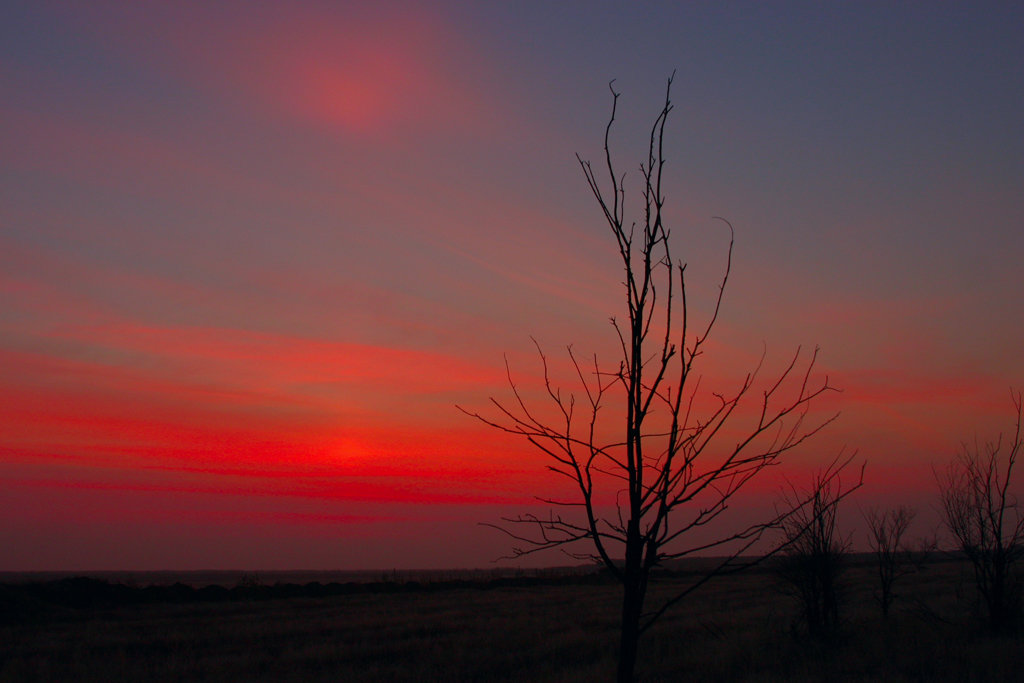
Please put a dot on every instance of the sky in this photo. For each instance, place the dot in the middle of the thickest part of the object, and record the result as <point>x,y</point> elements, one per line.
<point>253,254</point>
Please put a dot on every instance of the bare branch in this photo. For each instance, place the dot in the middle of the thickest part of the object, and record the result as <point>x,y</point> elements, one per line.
<point>987,521</point>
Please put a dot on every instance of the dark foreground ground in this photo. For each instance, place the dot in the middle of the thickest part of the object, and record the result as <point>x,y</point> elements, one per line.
<point>487,629</point>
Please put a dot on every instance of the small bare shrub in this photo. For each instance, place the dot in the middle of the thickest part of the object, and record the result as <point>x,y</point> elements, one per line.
<point>814,554</point>
<point>893,558</point>
<point>987,521</point>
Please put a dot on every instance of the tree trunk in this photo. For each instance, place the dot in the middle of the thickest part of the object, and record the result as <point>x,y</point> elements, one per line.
<point>997,598</point>
<point>633,586</point>
<point>630,634</point>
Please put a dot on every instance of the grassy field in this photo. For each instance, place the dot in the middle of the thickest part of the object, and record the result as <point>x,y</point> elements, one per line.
<point>738,629</point>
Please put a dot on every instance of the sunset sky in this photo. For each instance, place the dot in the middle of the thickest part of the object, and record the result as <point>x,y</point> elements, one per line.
<point>252,254</point>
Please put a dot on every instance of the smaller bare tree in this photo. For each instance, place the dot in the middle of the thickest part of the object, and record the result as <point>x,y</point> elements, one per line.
<point>894,560</point>
<point>987,521</point>
<point>814,553</point>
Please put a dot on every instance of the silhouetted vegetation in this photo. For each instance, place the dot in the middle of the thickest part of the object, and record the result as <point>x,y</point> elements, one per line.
<point>985,517</point>
<point>813,555</point>
<point>894,558</point>
<point>26,600</point>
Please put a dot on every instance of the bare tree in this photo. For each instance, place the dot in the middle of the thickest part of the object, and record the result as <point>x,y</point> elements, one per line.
<point>893,558</point>
<point>814,553</point>
<point>987,521</point>
<point>646,491</point>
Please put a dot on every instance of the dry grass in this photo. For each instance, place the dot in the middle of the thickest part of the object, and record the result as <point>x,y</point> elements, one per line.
<point>738,629</point>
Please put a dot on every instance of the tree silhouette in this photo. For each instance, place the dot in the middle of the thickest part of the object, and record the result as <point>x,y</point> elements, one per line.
<point>814,553</point>
<point>647,490</point>
<point>987,521</point>
<point>893,558</point>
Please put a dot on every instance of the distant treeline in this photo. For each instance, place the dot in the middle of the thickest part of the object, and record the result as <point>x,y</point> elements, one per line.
<point>21,600</point>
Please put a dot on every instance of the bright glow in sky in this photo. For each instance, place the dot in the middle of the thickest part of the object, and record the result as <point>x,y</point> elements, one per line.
<point>253,253</point>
